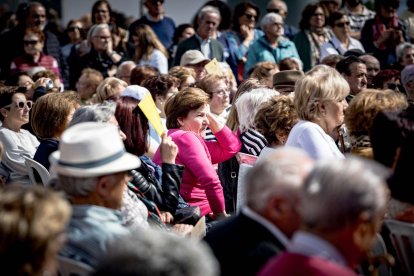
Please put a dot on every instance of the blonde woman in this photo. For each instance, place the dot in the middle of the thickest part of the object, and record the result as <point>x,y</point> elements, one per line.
<point>148,49</point>
<point>320,104</point>
<point>110,89</point>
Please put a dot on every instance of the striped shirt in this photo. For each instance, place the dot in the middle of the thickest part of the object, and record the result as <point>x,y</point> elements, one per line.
<point>253,142</point>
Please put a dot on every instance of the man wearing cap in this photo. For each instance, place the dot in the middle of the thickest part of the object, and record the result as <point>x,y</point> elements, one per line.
<point>92,167</point>
<point>284,81</point>
<point>272,46</point>
<point>196,60</point>
<point>208,20</point>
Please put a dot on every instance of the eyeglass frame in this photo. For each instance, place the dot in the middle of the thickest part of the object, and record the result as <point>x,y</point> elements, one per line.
<point>28,104</point>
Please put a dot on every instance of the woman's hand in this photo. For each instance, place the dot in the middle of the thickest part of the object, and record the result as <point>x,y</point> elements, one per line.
<point>220,216</point>
<point>168,149</point>
<point>166,217</point>
<point>214,123</point>
<point>247,34</point>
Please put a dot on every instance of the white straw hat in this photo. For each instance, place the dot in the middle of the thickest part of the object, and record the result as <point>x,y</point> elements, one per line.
<point>92,149</point>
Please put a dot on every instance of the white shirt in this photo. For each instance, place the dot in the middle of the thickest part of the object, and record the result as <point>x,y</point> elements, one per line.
<point>334,47</point>
<point>158,60</point>
<point>313,140</point>
<point>311,245</point>
<point>16,145</point>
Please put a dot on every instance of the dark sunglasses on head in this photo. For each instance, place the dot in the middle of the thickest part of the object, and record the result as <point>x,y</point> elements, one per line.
<point>250,16</point>
<point>342,24</point>
<point>273,10</point>
<point>21,104</point>
<point>72,29</point>
<point>30,42</point>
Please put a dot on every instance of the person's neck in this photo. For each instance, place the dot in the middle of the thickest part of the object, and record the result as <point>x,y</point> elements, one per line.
<point>343,39</point>
<point>217,111</point>
<point>357,9</point>
<point>11,126</point>
<point>273,40</point>
<point>156,17</point>
<point>36,57</point>
<point>317,30</point>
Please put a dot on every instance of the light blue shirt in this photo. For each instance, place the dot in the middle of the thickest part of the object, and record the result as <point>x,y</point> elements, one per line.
<point>89,231</point>
<point>307,244</point>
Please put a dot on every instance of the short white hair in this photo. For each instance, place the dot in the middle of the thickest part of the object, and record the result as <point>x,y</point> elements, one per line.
<point>208,9</point>
<point>399,51</point>
<point>281,173</point>
<point>270,18</point>
<point>336,194</point>
<point>248,104</point>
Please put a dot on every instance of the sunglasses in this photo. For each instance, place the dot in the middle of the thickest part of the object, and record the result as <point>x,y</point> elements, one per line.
<point>273,10</point>
<point>342,24</point>
<point>155,2</point>
<point>250,16</point>
<point>21,104</point>
<point>72,29</point>
<point>30,42</point>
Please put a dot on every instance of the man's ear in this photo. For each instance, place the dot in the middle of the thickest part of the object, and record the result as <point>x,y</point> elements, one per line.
<point>103,185</point>
<point>4,112</point>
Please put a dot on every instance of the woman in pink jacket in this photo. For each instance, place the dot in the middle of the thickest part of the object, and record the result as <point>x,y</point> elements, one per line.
<point>188,116</point>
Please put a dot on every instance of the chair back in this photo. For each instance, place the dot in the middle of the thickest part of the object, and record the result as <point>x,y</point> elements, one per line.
<point>38,174</point>
<point>241,185</point>
<point>402,238</point>
<point>69,267</point>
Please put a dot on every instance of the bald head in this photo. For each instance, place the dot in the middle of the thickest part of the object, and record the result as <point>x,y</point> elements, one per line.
<point>277,6</point>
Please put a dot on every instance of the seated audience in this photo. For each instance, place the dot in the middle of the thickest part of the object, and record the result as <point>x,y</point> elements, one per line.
<point>51,115</point>
<point>320,104</point>
<point>335,240</point>
<point>244,243</point>
<point>361,112</point>
<point>92,168</point>
<point>155,253</point>
<point>32,230</point>
<point>87,84</point>
<point>18,143</point>
<point>188,117</point>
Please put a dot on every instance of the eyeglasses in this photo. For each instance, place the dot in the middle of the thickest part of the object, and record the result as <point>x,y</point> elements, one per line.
<point>318,14</point>
<point>342,24</point>
<point>103,37</point>
<point>30,42</point>
<point>21,104</point>
<point>155,2</point>
<point>250,16</point>
<point>273,10</point>
<point>72,29</point>
<point>222,92</point>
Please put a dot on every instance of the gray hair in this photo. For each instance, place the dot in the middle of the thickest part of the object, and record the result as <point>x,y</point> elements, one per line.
<point>76,186</point>
<point>208,9</point>
<point>94,113</point>
<point>336,194</point>
<point>248,104</point>
<point>95,29</point>
<point>281,173</point>
<point>269,19</point>
<point>149,253</point>
<point>399,51</point>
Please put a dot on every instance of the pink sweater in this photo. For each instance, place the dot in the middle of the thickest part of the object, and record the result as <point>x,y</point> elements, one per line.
<point>200,185</point>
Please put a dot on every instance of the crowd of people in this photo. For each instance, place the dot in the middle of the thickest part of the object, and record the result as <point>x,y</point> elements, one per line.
<point>321,115</point>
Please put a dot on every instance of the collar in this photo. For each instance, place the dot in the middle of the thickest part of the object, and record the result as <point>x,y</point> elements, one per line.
<point>308,244</point>
<point>97,212</point>
<point>153,19</point>
<point>266,224</point>
<point>201,40</point>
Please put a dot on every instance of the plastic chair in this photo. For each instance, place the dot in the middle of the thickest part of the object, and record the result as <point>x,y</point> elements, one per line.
<point>38,174</point>
<point>69,267</point>
<point>402,238</point>
<point>241,186</point>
